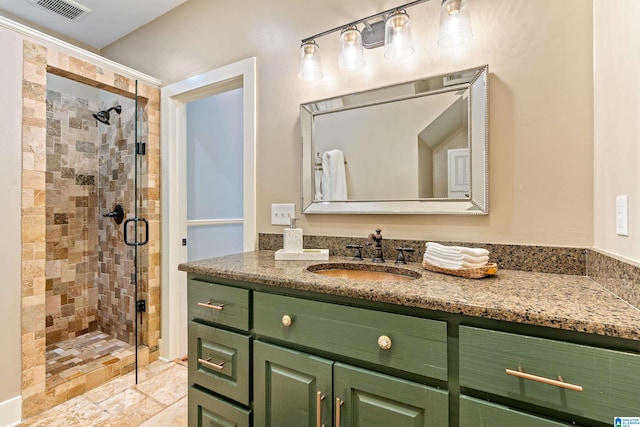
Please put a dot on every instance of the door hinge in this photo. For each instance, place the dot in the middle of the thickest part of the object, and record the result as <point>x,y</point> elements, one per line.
<point>184,242</point>
<point>141,148</point>
<point>141,306</point>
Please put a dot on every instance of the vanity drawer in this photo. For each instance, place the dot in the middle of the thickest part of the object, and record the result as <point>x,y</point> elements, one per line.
<point>224,305</point>
<point>478,413</point>
<point>496,362</point>
<point>417,345</point>
<point>208,410</point>
<point>219,361</point>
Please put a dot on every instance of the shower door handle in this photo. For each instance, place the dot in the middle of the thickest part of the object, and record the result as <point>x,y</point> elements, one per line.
<point>146,232</point>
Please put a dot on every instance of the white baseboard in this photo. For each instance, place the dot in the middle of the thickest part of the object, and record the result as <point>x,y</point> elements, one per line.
<point>11,412</point>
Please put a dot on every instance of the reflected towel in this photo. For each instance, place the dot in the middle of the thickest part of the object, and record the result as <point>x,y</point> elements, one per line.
<point>334,180</point>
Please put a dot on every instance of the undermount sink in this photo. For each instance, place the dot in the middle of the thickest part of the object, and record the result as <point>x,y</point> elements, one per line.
<point>364,272</point>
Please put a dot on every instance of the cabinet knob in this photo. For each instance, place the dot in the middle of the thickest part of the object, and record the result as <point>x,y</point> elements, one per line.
<point>384,342</point>
<point>286,320</point>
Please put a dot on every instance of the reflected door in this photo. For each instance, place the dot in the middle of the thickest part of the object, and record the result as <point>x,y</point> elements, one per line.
<point>215,175</point>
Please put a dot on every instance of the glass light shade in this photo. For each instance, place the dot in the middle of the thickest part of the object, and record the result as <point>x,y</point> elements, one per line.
<point>455,23</point>
<point>351,52</point>
<point>397,36</point>
<point>310,68</point>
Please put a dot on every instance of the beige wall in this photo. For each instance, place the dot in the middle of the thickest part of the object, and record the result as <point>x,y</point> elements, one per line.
<point>10,194</point>
<point>541,107</point>
<point>617,123</point>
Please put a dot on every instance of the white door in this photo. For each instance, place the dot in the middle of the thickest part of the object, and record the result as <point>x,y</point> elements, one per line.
<point>218,218</point>
<point>214,176</point>
<point>459,182</point>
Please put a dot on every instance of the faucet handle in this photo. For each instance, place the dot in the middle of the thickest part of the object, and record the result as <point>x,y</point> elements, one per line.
<point>357,256</point>
<point>400,259</point>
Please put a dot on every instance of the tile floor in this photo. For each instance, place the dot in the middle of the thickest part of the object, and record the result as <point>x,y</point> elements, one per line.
<point>160,399</point>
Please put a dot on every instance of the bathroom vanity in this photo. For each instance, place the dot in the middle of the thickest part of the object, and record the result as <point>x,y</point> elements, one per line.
<point>273,344</point>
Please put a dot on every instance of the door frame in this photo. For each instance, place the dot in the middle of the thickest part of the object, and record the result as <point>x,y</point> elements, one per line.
<point>174,98</point>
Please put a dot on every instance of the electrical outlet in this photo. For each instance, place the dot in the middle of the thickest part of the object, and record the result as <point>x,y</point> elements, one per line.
<point>622,215</point>
<point>281,214</point>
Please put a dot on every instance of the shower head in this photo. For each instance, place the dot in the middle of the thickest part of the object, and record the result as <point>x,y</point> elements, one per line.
<point>103,116</point>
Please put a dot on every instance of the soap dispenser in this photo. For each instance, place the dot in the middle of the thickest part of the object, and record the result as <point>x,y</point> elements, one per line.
<point>292,238</point>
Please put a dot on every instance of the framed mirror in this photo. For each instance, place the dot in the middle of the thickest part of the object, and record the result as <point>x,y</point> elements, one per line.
<point>419,147</point>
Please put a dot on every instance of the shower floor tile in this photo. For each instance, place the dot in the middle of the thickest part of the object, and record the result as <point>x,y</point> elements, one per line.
<point>84,354</point>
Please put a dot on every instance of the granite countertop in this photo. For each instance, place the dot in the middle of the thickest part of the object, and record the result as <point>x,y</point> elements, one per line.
<point>575,303</point>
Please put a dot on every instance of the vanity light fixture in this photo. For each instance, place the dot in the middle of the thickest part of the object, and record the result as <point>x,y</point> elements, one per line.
<point>310,66</point>
<point>390,28</point>
<point>455,24</point>
<point>397,35</point>
<point>351,51</point>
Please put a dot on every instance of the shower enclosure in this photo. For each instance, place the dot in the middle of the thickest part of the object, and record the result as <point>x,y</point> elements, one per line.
<point>96,231</point>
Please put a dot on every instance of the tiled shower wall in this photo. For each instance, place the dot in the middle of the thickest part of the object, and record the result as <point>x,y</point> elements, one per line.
<point>71,228</point>
<point>116,265</point>
<point>90,271</point>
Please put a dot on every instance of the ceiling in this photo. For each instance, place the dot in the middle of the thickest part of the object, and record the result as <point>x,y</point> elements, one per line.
<point>107,22</point>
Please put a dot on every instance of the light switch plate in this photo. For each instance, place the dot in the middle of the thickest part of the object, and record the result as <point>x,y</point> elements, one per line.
<point>622,215</point>
<point>282,213</point>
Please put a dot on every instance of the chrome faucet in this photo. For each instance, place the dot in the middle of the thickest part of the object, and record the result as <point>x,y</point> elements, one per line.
<point>376,239</point>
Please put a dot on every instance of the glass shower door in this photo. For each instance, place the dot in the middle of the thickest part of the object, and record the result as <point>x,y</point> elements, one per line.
<point>136,230</point>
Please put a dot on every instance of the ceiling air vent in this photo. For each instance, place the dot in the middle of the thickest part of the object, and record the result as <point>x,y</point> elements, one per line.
<point>67,9</point>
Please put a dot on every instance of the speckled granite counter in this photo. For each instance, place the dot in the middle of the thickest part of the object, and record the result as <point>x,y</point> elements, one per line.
<point>574,303</point>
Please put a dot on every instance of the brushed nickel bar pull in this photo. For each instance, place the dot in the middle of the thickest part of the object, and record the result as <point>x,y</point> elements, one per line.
<point>209,363</point>
<point>339,403</point>
<point>208,304</point>
<point>558,383</point>
<point>319,399</point>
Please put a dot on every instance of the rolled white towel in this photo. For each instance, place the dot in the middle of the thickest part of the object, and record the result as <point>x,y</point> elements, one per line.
<point>456,257</point>
<point>458,249</point>
<point>456,265</point>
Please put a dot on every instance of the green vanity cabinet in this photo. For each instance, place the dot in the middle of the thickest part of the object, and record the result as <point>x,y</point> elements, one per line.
<point>293,388</point>
<point>265,356</point>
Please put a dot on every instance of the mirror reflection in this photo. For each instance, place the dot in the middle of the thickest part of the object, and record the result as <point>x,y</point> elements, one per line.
<point>403,148</point>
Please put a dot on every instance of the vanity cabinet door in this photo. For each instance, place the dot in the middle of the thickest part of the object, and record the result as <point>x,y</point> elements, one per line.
<point>368,399</point>
<point>478,413</point>
<point>286,387</point>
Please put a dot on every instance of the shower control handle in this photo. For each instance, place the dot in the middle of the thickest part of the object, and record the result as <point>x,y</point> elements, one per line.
<point>117,214</point>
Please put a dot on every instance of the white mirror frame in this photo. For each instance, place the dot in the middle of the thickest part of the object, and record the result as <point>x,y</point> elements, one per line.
<point>476,204</point>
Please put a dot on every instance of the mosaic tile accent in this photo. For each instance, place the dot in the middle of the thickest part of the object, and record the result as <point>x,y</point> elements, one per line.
<point>37,61</point>
<point>621,278</point>
<point>542,259</point>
